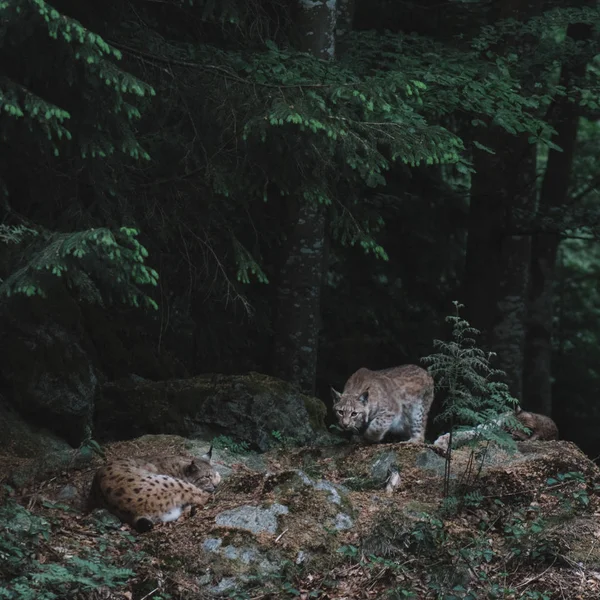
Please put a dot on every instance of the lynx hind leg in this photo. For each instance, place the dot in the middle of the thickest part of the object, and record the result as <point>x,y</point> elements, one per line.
<point>418,423</point>
<point>421,415</point>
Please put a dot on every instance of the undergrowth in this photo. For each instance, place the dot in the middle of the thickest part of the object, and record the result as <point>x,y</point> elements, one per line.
<point>478,561</point>
<point>225,442</point>
<point>34,567</point>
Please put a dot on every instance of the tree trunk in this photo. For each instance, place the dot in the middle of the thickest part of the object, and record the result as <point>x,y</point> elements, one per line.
<point>299,289</point>
<point>315,22</point>
<point>343,26</point>
<point>498,254</point>
<point>554,193</point>
<point>497,263</point>
<point>298,299</point>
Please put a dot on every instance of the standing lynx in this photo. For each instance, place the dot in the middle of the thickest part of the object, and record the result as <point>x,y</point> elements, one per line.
<point>145,491</point>
<point>393,401</point>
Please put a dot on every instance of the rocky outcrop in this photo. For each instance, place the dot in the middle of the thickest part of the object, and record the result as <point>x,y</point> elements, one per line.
<point>260,410</point>
<point>34,452</point>
<point>21,439</point>
<point>290,522</point>
<point>46,363</point>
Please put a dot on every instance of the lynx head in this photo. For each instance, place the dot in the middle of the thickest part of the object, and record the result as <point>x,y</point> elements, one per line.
<point>351,410</point>
<point>200,472</point>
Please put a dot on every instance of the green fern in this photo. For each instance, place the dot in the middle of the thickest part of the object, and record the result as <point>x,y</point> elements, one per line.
<point>23,577</point>
<point>477,400</point>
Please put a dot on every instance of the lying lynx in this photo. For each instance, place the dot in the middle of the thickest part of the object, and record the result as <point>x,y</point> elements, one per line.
<point>393,401</point>
<point>145,491</point>
<point>541,426</point>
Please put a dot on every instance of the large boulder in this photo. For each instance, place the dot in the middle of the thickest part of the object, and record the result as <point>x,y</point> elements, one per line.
<point>46,363</point>
<point>260,410</point>
<point>21,439</point>
<point>29,453</point>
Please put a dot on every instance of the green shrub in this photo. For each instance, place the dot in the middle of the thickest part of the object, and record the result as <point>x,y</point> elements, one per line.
<point>23,576</point>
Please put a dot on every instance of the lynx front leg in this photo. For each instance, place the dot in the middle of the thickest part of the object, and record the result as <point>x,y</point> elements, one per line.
<point>358,439</point>
<point>375,432</point>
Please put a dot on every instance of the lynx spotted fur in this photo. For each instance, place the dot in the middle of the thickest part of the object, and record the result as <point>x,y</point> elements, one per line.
<point>145,491</point>
<point>393,402</point>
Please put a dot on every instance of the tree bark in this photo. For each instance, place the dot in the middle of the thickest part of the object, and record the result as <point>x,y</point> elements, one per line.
<point>554,193</point>
<point>315,22</point>
<point>297,321</point>
<point>298,299</point>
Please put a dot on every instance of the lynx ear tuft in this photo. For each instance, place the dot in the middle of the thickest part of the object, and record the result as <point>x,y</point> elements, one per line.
<point>208,455</point>
<point>335,395</point>
<point>364,397</point>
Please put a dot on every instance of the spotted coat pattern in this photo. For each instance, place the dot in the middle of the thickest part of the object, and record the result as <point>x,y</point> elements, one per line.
<point>145,491</point>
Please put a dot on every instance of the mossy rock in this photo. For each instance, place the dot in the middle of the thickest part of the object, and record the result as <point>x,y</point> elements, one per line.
<point>254,408</point>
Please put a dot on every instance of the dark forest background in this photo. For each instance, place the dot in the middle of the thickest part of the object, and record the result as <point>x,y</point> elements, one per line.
<point>309,185</point>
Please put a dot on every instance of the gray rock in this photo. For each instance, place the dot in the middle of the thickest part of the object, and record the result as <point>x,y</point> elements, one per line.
<point>246,554</point>
<point>226,584</point>
<point>252,518</point>
<point>69,493</point>
<point>247,407</point>
<point>335,491</point>
<point>343,522</point>
<point>334,495</point>
<point>232,553</point>
<point>225,458</point>
<point>211,544</point>
<point>431,461</point>
<point>382,466</point>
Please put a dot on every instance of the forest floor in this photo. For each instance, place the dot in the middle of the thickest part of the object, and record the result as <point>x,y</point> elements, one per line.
<point>525,525</point>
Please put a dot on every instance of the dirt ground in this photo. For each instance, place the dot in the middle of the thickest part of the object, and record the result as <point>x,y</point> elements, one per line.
<point>398,543</point>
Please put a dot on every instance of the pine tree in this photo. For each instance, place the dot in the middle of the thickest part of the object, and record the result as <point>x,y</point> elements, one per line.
<point>68,114</point>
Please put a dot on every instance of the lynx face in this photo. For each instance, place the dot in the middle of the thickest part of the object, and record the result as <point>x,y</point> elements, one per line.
<point>352,413</point>
<point>201,474</point>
